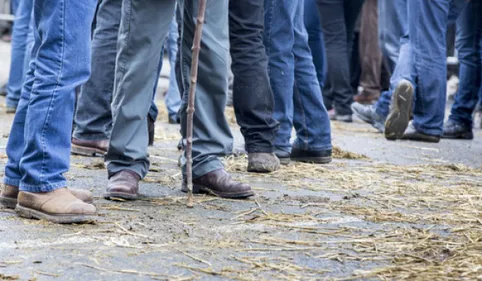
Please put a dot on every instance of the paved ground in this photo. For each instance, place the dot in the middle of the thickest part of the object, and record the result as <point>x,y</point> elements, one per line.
<point>381,211</point>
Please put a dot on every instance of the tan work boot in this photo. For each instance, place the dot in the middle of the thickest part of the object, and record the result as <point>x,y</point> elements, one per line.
<point>9,194</point>
<point>58,206</point>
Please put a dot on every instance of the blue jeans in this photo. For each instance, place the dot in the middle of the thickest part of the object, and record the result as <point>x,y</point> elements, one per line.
<point>469,47</point>
<point>173,97</point>
<point>20,32</point>
<point>296,89</point>
<point>39,145</point>
<point>405,67</point>
<point>392,25</point>
<point>428,28</point>
<point>93,115</point>
<point>315,39</point>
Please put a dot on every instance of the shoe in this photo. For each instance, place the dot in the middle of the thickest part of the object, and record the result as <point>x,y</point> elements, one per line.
<point>283,157</point>
<point>311,156</point>
<point>365,98</point>
<point>368,114</point>
<point>151,126</point>
<point>3,90</point>
<point>174,119</point>
<point>89,148</point>
<point>58,206</point>
<point>342,118</point>
<point>454,130</point>
<point>9,195</point>
<point>262,162</point>
<point>412,134</point>
<point>11,110</point>
<point>123,185</point>
<point>219,183</point>
<point>400,111</point>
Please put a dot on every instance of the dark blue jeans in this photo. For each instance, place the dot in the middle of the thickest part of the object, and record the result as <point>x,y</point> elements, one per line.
<point>469,47</point>
<point>38,148</point>
<point>253,99</point>
<point>338,18</point>
<point>316,40</point>
<point>428,28</point>
<point>297,93</point>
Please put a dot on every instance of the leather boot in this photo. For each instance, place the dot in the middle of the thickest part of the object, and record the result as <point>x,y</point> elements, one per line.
<point>123,185</point>
<point>9,195</point>
<point>219,183</point>
<point>58,206</point>
<point>262,162</point>
<point>90,148</point>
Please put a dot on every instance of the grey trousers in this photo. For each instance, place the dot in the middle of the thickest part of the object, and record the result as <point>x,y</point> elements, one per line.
<point>144,25</point>
<point>211,135</point>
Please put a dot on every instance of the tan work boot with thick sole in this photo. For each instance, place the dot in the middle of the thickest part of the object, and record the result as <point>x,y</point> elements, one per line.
<point>58,206</point>
<point>9,194</point>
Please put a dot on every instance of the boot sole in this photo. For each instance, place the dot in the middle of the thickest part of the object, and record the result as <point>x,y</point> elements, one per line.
<point>120,195</point>
<point>87,151</point>
<point>464,136</point>
<point>200,189</point>
<point>8,203</point>
<point>315,160</point>
<point>399,117</point>
<point>28,213</point>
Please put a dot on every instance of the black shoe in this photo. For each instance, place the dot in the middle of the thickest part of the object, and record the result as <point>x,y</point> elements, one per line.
<point>400,110</point>
<point>310,156</point>
<point>3,90</point>
<point>152,129</point>
<point>412,134</point>
<point>174,119</point>
<point>368,114</point>
<point>454,130</point>
<point>284,157</point>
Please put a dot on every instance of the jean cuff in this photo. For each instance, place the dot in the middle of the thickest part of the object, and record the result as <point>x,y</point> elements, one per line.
<point>11,103</point>
<point>42,188</point>
<point>259,149</point>
<point>325,147</point>
<point>11,182</point>
<point>432,132</point>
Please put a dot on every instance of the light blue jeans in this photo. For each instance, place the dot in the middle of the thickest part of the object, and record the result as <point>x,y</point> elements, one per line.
<point>20,52</point>
<point>39,145</point>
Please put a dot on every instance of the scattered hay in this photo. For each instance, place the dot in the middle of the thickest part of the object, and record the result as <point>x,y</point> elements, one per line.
<point>338,153</point>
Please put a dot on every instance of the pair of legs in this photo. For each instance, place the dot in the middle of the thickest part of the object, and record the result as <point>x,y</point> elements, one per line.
<point>93,118</point>
<point>296,88</point>
<point>39,144</point>
<point>469,46</point>
<point>143,27</point>
<point>338,18</point>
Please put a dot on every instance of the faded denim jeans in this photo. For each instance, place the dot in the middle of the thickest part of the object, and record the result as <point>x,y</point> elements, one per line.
<point>39,145</point>
<point>296,89</point>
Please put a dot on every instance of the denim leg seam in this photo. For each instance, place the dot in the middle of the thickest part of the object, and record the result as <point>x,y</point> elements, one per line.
<point>59,78</point>
<point>297,95</point>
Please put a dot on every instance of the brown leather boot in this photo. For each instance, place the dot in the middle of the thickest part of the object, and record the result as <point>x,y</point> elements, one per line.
<point>58,206</point>
<point>9,194</point>
<point>219,183</point>
<point>90,148</point>
<point>123,185</point>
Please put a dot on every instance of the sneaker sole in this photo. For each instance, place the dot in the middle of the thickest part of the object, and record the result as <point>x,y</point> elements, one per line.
<point>8,203</point>
<point>87,151</point>
<point>200,189</point>
<point>315,160</point>
<point>399,117</point>
<point>28,213</point>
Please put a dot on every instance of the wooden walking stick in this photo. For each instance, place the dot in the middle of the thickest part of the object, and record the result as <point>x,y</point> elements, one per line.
<point>192,93</point>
